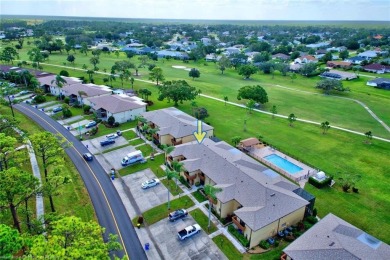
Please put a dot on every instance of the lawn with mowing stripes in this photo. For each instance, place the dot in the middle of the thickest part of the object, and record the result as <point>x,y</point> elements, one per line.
<point>203,221</point>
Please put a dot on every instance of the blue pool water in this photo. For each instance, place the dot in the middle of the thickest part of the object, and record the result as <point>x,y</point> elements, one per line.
<point>283,163</point>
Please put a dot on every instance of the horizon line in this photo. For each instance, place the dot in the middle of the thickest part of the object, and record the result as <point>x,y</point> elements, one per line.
<point>185,19</point>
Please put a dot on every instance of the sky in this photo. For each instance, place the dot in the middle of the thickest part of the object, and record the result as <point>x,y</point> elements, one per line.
<point>367,10</point>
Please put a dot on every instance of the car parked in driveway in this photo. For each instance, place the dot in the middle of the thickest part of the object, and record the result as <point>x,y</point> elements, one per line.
<point>57,109</point>
<point>87,156</point>
<point>112,136</point>
<point>107,142</point>
<point>90,124</point>
<point>150,183</point>
<point>178,214</point>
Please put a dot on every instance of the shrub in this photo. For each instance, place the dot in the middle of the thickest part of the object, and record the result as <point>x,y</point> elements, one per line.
<point>184,181</point>
<point>94,130</point>
<point>307,225</point>
<point>240,237</point>
<point>67,100</point>
<point>312,219</point>
<point>111,120</point>
<point>66,112</point>
<point>276,244</point>
<point>40,99</point>
<point>116,124</point>
<point>321,184</point>
<point>264,244</point>
<point>86,109</point>
<point>315,212</point>
<point>64,73</point>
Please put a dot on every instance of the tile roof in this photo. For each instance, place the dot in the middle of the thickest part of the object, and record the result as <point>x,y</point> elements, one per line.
<point>91,90</point>
<point>48,79</point>
<point>334,238</point>
<point>174,122</point>
<point>116,103</point>
<point>243,179</point>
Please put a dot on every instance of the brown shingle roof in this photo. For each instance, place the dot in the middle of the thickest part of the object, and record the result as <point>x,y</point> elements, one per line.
<point>249,142</point>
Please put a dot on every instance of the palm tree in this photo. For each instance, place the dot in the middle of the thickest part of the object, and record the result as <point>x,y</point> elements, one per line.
<point>325,126</point>
<point>60,82</point>
<point>226,99</point>
<point>167,149</point>
<point>170,174</point>
<point>132,82</point>
<point>211,192</point>
<point>292,118</point>
<point>90,73</point>
<point>81,94</point>
<point>177,167</point>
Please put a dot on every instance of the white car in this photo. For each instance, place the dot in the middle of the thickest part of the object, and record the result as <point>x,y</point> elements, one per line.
<point>150,183</point>
<point>112,136</point>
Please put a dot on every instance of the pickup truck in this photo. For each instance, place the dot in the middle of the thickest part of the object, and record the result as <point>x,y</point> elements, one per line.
<point>188,231</point>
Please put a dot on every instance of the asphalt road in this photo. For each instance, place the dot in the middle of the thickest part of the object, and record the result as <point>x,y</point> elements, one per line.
<point>109,208</point>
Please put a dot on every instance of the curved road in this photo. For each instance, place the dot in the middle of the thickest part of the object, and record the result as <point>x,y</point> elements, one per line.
<point>109,208</point>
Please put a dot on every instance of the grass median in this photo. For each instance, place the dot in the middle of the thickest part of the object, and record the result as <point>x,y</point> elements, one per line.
<point>203,221</point>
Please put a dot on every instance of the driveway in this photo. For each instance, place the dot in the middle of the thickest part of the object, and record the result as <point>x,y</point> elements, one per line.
<point>149,198</point>
<point>199,246</point>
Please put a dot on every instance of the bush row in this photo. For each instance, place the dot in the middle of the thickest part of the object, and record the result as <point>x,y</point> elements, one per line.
<point>320,184</point>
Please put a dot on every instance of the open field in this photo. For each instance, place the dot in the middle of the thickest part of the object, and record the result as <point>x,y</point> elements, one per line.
<point>298,96</point>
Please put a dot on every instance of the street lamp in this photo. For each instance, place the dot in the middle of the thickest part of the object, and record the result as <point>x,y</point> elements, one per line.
<point>10,105</point>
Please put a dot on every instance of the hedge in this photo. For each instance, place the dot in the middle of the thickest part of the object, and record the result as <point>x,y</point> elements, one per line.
<point>239,236</point>
<point>321,184</point>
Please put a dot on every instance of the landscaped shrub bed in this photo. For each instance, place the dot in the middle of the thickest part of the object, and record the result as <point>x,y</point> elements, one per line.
<point>240,237</point>
<point>184,182</point>
<point>264,244</point>
<point>321,184</point>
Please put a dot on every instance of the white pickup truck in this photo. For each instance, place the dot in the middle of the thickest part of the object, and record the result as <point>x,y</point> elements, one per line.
<point>188,231</point>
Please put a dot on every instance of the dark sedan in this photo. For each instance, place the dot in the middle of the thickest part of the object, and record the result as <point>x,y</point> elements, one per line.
<point>107,142</point>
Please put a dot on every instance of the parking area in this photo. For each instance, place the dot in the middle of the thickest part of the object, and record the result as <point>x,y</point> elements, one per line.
<point>94,145</point>
<point>149,198</point>
<point>112,159</point>
<point>199,246</point>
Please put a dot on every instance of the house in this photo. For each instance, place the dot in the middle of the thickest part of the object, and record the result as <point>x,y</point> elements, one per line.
<point>172,54</point>
<point>318,45</point>
<point>295,67</point>
<point>248,143</point>
<point>257,200</point>
<point>306,59</point>
<point>122,107</point>
<point>206,41</point>
<point>80,92</point>
<point>339,64</point>
<point>232,50</point>
<point>281,56</point>
<point>174,126</point>
<point>48,83</point>
<point>211,57</point>
<point>339,75</point>
<point>334,238</point>
<point>383,83</point>
<point>377,68</point>
<point>355,60</point>
<point>368,55</point>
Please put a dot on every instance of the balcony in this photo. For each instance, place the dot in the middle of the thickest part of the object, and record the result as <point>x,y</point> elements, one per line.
<point>174,142</point>
<point>201,176</point>
<point>238,223</point>
<point>188,176</point>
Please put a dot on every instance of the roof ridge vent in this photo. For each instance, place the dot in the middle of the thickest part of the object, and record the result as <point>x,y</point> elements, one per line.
<point>331,244</point>
<point>272,195</point>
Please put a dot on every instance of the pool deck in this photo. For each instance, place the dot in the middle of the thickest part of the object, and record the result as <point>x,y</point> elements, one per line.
<point>300,177</point>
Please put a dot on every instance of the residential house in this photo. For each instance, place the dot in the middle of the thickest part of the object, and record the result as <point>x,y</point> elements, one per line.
<point>306,59</point>
<point>377,68</point>
<point>48,83</point>
<point>334,238</point>
<point>339,64</point>
<point>122,107</point>
<point>258,200</point>
<point>318,45</point>
<point>211,57</point>
<point>281,56</point>
<point>232,50</point>
<point>172,54</point>
<point>383,83</point>
<point>174,126</point>
<point>79,92</point>
<point>248,143</point>
<point>355,60</point>
<point>368,55</point>
<point>206,41</point>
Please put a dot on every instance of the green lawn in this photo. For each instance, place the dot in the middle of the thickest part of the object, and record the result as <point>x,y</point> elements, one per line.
<point>203,221</point>
<point>198,196</point>
<point>153,165</point>
<point>173,189</point>
<point>227,247</point>
<point>137,141</point>
<point>160,212</point>
<point>129,135</point>
<point>274,253</point>
<point>145,149</point>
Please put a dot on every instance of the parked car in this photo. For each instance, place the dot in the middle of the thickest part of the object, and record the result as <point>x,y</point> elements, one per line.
<point>57,109</point>
<point>90,124</point>
<point>107,142</point>
<point>87,156</point>
<point>112,136</point>
<point>188,232</point>
<point>178,214</point>
<point>150,183</point>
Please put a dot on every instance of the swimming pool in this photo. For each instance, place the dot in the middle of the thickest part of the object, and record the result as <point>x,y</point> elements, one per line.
<point>283,163</point>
